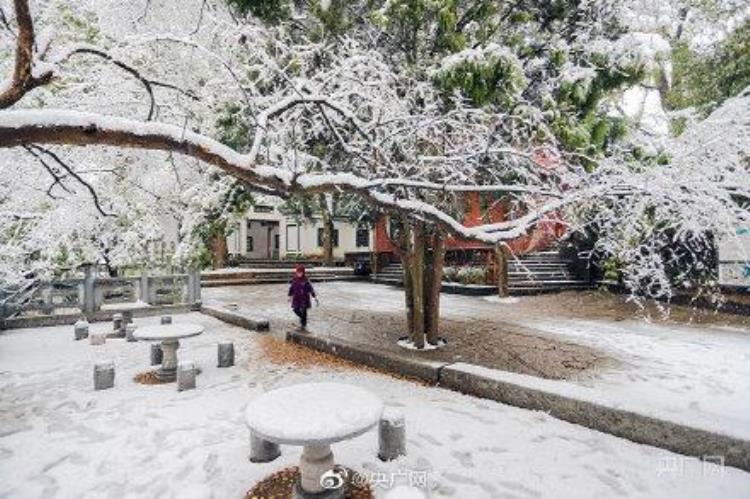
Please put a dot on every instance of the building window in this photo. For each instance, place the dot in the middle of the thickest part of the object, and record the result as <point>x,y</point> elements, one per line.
<point>335,237</point>
<point>362,237</point>
<point>263,209</point>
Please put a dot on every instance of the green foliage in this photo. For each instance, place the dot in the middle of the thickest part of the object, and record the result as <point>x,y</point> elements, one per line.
<point>270,11</point>
<point>677,126</point>
<point>706,80</point>
<point>465,275</point>
<point>236,200</point>
<point>612,269</point>
<point>234,130</point>
<point>333,19</point>
<point>84,26</point>
<point>496,79</point>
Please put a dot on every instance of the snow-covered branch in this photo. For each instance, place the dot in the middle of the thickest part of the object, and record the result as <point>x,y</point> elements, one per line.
<point>27,72</point>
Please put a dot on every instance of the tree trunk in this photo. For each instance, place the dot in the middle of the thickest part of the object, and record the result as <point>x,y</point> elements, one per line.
<point>219,250</point>
<point>434,284</point>
<point>417,283</point>
<point>501,257</point>
<point>406,263</point>
<point>327,231</point>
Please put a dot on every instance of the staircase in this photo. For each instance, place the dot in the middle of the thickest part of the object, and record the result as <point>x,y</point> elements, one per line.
<point>265,263</point>
<point>392,274</point>
<point>241,277</point>
<point>541,272</point>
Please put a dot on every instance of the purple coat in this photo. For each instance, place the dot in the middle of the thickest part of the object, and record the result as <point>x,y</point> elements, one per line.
<point>300,291</point>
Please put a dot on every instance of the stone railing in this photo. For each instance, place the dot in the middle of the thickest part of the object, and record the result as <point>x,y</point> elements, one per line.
<point>91,293</point>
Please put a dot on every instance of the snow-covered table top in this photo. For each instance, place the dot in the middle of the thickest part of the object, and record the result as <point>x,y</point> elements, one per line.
<point>168,331</point>
<point>313,413</point>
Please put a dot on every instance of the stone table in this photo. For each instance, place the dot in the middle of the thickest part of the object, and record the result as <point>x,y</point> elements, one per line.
<point>169,335</point>
<point>313,415</point>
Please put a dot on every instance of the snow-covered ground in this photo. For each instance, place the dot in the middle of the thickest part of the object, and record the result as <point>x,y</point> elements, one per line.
<point>694,374</point>
<point>59,438</point>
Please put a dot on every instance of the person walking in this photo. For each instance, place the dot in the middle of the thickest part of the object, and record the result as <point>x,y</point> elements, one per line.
<point>299,295</point>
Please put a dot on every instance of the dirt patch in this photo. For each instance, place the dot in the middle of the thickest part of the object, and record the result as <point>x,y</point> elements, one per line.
<point>488,343</point>
<point>148,378</point>
<point>600,304</point>
<point>280,485</point>
<point>281,352</point>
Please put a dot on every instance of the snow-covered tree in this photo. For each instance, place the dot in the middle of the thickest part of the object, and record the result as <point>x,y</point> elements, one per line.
<point>407,104</point>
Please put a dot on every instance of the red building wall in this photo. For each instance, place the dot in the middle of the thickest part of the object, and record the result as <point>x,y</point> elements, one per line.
<point>481,208</point>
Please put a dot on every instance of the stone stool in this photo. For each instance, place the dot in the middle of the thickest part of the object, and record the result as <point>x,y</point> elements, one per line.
<point>185,376</point>
<point>81,330</point>
<point>97,339</point>
<point>262,451</point>
<point>104,375</point>
<point>117,326</point>
<point>156,354</point>
<point>129,330</point>
<point>166,319</point>
<point>391,435</point>
<point>226,354</point>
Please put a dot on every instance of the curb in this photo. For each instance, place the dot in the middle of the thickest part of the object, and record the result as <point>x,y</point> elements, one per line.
<point>632,426</point>
<point>423,370</point>
<point>239,317</point>
<point>516,390</point>
<point>450,288</point>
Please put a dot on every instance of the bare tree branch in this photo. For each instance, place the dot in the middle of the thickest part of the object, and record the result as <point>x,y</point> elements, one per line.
<point>32,148</point>
<point>200,18</point>
<point>5,23</point>
<point>58,179</point>
<point>147,83</point>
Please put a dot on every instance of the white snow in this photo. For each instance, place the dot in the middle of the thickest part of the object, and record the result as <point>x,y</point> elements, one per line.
<point>408,344</point>
<point>59,438</point>
<point>313,413</point>
<point>484,54</point>
<point>405,492</point>
<point>507,300</point>
<point>690,374</point>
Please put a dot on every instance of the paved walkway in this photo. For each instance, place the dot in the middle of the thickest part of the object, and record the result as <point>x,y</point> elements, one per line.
<point>695,373</point>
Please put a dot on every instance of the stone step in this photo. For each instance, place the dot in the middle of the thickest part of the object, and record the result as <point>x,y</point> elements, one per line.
<point>537,266</point>
<point>272,280</point>
<point>548,283</point>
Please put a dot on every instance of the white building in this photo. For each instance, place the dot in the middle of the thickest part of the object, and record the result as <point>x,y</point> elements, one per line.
<point>267,233</point>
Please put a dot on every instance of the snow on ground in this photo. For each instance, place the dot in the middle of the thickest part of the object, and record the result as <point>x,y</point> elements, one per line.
<point>60,439</point>
<point>693,374</point>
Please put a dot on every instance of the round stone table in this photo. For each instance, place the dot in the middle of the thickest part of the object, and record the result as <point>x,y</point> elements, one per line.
<point>313,415</point>
<point>169,335</point>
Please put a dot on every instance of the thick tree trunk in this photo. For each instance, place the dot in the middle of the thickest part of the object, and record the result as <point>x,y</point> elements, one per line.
<point>406,263</point>
<point>501,259</point>
<point>219,250</point>
<point>325,208</point>
<point>435,283</point>
<point>417,282</point>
